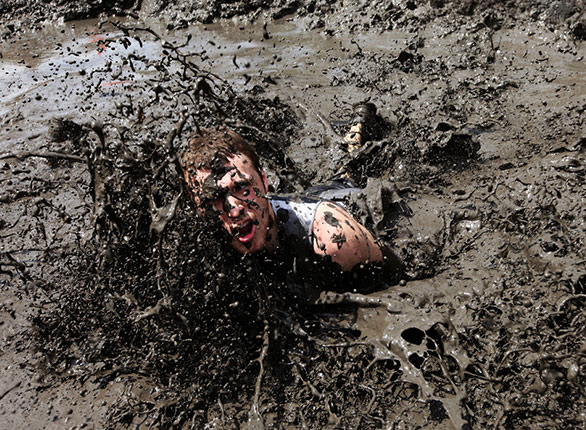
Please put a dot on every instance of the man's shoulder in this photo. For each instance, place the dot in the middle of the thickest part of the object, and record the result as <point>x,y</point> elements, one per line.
<point>338,235</point>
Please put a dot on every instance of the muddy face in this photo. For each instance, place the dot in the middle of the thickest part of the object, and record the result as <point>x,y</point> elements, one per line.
<point>236,194</point>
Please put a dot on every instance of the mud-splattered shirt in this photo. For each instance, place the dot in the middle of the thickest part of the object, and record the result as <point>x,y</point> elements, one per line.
<point>295,214</point>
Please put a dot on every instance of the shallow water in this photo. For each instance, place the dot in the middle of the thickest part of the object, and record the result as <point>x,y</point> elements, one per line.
<point>48,73</point>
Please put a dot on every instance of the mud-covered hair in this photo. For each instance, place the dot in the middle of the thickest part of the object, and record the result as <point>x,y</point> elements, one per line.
<point>209,147</point>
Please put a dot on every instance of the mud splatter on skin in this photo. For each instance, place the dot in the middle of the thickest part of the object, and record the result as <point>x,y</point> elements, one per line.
<point>339,239</point>
<point>210,192</point>
<point>258,192</point>
<point>331,219</point>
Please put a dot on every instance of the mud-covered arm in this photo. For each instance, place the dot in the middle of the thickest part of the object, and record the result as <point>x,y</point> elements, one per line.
<point>338,235</point>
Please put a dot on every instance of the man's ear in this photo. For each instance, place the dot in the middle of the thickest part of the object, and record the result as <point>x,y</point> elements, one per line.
<point>265,180</point>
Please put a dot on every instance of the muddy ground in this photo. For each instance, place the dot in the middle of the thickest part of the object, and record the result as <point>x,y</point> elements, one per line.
<point>120,310</point>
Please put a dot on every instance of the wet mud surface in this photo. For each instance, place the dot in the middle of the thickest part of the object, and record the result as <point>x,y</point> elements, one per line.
<point>119,309</point>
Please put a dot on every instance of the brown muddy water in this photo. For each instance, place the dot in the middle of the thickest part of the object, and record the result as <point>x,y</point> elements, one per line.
<point>484,143</point>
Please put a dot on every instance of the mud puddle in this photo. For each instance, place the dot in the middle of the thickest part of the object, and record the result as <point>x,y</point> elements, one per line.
<point>485,331</point>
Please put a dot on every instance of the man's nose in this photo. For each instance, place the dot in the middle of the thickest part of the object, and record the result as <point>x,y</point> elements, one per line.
<point>234,207</point>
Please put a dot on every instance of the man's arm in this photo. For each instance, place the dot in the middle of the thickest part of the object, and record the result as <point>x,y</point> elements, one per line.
<point>338,235</point>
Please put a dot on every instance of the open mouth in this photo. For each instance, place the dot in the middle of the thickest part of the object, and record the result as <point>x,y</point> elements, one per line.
<point>245,232</point>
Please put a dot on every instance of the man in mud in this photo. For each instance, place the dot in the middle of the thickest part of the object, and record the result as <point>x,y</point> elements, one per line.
<point>227,183</point>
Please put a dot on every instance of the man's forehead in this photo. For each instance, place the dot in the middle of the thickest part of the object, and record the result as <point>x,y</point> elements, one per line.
<point>233,166</point>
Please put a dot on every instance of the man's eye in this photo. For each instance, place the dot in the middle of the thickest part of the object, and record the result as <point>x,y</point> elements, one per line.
<point>212,198</point>
<point>241,188</point>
